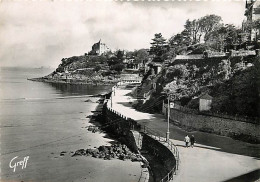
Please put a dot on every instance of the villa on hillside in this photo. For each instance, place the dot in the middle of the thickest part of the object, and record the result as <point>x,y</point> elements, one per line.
<point>99,48</point>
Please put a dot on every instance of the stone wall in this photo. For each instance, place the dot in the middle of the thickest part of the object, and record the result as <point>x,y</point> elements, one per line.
<point>161,151</point>
<point>221,126</point>
<point>121,126</point>
<point>130,130</point>
<point>185,57</point>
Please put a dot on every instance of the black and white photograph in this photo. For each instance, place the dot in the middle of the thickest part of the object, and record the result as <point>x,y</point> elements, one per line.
<point>129,91</point>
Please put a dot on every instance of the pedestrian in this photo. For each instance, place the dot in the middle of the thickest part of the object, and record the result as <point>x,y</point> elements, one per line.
<point>187,141</point>
<point>192,140</point>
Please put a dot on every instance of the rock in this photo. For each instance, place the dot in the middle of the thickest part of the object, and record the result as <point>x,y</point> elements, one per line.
<point>133,158</point>
<point>90,128</point>
<point>103,148</point>
<point>95,155</point>
<point>139,159</point>
<point>122,157</point>
<point>88,100</point>
<point>113,155</point>
<point>119,151</point>
<point>107,157</point>
<point>101,155</point>
<point>79,152</point>
<point>145,166</point>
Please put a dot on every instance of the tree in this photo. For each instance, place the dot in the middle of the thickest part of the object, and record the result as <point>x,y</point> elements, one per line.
<point>193,29</point>
<point>209,23</point>
<point>118,67</point>
<point>179,71</point>
<point>224,36</point>
<point>224,69</point>
<point>141,55</point>
<point>158,46</point>
<point>120,55</point>
<point>180,42</point>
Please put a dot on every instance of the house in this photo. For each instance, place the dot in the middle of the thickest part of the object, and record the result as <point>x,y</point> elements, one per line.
<point>205,102</point>
<point>99,48</point>
<point>129,78</point>
<point>252,13</point>
<point>155,66</point>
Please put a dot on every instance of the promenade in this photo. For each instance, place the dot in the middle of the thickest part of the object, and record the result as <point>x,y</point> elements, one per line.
<point>213,159</point>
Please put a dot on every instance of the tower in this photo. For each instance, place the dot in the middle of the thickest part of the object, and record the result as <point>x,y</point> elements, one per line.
<point>100,48</point>
<point>252,14</point>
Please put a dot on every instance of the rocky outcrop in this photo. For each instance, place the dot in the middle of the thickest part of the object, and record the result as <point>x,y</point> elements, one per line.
<point>117,151</point>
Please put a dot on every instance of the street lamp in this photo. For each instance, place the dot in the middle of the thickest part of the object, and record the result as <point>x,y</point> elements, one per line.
<point>168,120</point>
<point>114,90</point>
<point>168,94</point>
<point>111,98</point>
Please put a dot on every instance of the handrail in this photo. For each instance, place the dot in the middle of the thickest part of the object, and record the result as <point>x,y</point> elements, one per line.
<point>170,145</point>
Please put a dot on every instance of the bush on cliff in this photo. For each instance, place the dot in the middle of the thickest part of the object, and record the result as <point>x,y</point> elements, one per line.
<point>233,83</point>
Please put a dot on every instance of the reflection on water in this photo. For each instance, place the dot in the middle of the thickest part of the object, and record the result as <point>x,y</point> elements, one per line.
<point>79,89</point>
<point>40,120</point>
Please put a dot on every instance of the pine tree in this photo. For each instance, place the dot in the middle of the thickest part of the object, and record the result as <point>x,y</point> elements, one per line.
<point>158,46</point>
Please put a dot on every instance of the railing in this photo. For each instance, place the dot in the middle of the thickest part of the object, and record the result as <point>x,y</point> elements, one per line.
<point>170,145</point>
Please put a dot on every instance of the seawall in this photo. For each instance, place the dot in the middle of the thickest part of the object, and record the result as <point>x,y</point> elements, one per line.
<point>139,138</point>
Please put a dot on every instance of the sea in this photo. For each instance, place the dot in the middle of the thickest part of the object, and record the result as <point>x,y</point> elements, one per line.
<point>42,124</point>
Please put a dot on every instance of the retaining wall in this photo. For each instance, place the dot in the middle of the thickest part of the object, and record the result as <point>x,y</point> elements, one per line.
<point>221,126</point>
<point>161,151</point>
<point>123,126</point>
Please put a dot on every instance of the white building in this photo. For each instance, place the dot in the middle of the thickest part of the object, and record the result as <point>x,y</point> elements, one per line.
<point>99,48</point>
<point>205,102</point>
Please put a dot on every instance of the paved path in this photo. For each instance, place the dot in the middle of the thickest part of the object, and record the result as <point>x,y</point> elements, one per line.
<point>213,159</point>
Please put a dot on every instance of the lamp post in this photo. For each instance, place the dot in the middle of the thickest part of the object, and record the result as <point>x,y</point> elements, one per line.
<point>111,97</point>
<point>114,90</point>
<point>168,120</point>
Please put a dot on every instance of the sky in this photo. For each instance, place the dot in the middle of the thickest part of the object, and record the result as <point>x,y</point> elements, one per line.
<point>41,33</point>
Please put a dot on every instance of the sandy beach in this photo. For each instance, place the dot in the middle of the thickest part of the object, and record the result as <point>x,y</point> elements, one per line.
<point>46,164</point>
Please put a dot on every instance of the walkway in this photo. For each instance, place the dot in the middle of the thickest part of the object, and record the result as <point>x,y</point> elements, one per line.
<point>213,159</point>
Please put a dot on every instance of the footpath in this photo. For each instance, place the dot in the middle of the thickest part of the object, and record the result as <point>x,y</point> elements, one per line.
<point>213,159</point>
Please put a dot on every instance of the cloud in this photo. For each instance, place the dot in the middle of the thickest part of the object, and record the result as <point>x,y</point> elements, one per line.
<point>42,33</point>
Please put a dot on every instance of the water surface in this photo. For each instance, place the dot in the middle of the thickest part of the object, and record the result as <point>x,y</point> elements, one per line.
<point>40,120</point>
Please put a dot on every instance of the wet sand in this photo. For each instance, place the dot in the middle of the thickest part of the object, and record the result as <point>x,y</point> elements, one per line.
<point>44,145</point>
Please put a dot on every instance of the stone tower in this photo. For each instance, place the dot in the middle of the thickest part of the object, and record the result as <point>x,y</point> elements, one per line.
<point>252,14</point>
<point>100,48</point>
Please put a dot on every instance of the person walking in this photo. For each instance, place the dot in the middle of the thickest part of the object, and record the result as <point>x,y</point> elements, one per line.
<point>192,140</point>
<point>187,141</point>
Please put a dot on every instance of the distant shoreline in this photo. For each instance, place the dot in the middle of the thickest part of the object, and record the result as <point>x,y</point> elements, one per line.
<point>69,81</point>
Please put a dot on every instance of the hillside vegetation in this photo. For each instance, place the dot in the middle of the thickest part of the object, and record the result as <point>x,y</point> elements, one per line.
<point>232,82</point>
<point>95,69</point>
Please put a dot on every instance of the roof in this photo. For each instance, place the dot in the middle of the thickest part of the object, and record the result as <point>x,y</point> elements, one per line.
<point>206,97</point>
